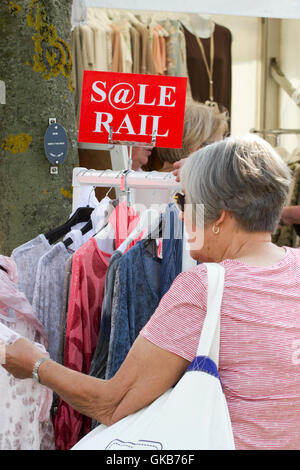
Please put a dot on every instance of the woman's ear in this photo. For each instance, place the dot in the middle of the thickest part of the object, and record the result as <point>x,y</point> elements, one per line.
<point>224,214</point>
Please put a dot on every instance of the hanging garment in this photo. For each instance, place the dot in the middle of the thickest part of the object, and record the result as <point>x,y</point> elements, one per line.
<point>172,247</point>
<point>126,46</point>
<point>164,272</point>
<point>102,37</point>
<point>141,280</point>
<point>102,34</point>
<point>198,76</point>
<point>137,299</point>
<point>99,362</point>
<point>105,48</point>
<point>87,47</point>
<point>123,219</point>
<point>159,50</point>
<point>117,58</point>
<point>98,217</point>
<point>25,422</point>
<point>26,257</point>
<point>41,268</point>
<point>79,13</point>
<point>12,299</point>
<point>136,50</point>
<point>89,267</point>
<point>48,293</point>
<point>147,65</point>
<point>175,49</point>
<point>65,304</point>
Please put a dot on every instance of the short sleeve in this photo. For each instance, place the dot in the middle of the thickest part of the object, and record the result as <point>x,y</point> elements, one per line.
<point>177,322</point>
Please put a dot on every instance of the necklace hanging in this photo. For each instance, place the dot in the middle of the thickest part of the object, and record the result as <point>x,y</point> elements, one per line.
<point>209,68</point>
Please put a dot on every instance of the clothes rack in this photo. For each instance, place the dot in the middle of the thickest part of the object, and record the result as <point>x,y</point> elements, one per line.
<point>275,133</point>
<point>125,180</point>
<point>284,82</point>
<point>121,179</point>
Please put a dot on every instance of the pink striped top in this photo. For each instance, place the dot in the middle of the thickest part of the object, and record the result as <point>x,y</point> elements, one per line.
<point>259,346</point>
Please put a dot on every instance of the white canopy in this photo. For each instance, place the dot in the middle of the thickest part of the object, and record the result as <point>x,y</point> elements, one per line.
<point>261,8</point>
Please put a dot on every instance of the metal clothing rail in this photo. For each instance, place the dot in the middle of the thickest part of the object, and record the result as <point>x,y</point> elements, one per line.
<point>276,133</point>
<point>125,180</point>
<point>134,179</point>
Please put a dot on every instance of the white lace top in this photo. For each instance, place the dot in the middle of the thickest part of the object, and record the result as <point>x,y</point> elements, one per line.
<point>25,422</point>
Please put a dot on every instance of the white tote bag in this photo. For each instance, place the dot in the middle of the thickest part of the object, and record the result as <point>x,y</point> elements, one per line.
<point>191,416</point>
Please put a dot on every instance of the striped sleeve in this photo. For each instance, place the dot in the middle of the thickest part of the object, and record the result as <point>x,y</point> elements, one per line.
<point>177,322</point>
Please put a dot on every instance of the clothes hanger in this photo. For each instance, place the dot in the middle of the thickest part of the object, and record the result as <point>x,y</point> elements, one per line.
<point>148,222</point>
<point>82,214</point>
<point>107,229</point>
<point>87,227</point>
<point>129,16</point>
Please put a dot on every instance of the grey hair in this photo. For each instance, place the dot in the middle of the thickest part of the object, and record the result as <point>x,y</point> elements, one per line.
<point>242,175</point>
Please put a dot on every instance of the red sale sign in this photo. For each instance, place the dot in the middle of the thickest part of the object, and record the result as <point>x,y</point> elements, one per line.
<point>125,107</point>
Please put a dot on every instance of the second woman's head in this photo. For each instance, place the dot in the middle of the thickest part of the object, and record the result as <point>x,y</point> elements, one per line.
<point>203,125</point>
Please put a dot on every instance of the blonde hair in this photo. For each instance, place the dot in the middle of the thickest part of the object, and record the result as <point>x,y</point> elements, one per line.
<point>201,123</point>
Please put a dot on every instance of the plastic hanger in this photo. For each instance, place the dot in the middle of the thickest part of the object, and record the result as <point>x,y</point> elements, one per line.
<point>85,229</point>
<point>129,16</point>
<point>82,214</point>
<point>107,228</point>
<point>148,222</point>
<point>104,232</point>
<point>88,226</point>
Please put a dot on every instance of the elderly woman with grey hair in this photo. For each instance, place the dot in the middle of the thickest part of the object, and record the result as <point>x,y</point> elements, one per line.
<point>237,188</point>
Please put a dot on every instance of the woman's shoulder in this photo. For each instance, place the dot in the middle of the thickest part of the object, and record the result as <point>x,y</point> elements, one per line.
<point>236,268</point>
<point>295,252</point>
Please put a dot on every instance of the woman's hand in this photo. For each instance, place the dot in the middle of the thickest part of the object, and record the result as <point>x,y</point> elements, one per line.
<point>147,372</point>
<point>177,166</point>
<point>21,357</point>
